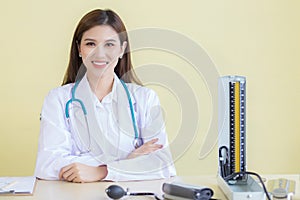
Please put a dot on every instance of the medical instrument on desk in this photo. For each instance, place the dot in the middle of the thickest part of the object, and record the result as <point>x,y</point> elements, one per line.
<point>117,192</point>
<point>234,179</point>
<point>184,191</point>
<point>171,191</point>
<point>282,188</point>
<point>137,142</point>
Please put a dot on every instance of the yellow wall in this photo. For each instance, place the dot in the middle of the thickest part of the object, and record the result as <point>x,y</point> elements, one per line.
<point>257,39</point>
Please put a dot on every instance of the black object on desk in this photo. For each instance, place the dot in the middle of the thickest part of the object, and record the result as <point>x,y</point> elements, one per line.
<point>176,191</point>
<point>117,192</point>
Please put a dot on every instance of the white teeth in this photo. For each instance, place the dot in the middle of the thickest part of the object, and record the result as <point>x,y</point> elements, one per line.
<point>99,63</point>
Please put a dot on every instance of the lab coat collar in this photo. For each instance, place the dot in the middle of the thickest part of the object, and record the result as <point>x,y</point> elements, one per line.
<point>118,86</point>
<point>112,96</point>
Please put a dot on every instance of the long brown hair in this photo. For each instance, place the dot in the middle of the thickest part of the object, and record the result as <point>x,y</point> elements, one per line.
<point>124,69</point>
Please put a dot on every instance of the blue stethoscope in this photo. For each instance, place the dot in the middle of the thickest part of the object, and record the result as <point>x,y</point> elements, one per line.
<point>137,142</point>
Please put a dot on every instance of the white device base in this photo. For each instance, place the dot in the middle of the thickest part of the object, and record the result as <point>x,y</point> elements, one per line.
<point>250,190</point>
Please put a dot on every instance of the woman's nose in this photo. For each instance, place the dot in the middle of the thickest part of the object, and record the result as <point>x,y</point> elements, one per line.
<point>99,51</point>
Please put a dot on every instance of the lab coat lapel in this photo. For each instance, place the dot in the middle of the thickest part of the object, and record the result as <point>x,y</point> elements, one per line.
<point>122,111</point>
<point>98,145</point>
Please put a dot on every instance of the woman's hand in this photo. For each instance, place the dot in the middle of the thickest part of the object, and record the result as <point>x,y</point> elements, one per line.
<point>146,148</point>
<point>80,173</point>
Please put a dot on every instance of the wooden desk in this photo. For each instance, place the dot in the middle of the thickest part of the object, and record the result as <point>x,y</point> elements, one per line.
<point>59,190</point>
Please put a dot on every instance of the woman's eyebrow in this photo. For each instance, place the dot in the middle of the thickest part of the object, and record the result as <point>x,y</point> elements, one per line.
<point>89,39</point>
<point>110,40</point>
<point>93,40</point>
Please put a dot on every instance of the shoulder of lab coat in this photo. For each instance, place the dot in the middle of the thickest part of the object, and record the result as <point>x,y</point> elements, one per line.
<point>54,104</point>
<point>55,140</point>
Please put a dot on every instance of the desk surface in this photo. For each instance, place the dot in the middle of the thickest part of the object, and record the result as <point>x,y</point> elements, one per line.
<point>46,190</point>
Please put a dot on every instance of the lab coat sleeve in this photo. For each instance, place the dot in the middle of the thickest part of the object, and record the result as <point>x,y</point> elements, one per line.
<point>55,141</point>
<point>156,165</point>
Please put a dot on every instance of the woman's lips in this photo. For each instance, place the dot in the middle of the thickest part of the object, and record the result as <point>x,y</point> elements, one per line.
<point>99,64</point>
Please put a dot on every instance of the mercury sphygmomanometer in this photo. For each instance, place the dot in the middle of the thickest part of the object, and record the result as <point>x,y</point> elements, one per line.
<point>234,179</point>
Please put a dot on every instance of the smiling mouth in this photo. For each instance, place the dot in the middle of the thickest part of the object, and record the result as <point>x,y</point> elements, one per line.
<point>99,63</point>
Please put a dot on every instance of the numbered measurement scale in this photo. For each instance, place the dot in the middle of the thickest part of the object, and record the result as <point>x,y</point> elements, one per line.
<point>232,141</point>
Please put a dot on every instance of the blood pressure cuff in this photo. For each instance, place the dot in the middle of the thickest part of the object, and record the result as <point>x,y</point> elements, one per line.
<point>182,191</point>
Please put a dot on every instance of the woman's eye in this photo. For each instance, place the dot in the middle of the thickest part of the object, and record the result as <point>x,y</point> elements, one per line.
<point>110,44</point>
<point>91,44</point>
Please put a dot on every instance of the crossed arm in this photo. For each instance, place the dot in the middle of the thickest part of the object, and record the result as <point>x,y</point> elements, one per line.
<point>81,173</point>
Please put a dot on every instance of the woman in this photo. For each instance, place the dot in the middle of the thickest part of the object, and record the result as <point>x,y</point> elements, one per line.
<point>101,124</point>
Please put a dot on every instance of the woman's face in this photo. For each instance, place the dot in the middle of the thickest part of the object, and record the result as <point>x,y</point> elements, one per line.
<point>100,48</point>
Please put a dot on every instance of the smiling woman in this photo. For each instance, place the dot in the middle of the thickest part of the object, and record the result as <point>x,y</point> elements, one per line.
<point>114,29</point>
<point>112,126</point>
<point>101,50</point>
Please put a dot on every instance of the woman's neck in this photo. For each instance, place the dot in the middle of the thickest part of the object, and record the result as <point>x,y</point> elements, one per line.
<point>101,86</point>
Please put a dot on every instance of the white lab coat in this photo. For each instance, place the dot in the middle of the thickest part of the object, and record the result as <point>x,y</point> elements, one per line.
<point>111,133</point>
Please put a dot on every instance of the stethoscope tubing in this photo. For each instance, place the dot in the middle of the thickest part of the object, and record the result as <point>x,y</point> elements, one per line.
<point>137,140</point>
<point>73,99</point>
<point>136,134</point>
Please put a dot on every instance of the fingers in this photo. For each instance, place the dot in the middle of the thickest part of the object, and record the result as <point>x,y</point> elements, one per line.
<point>63,170</point>
<point>146,148</point>
<point>151,146</point>
<point>70,173</point>
<point>77,180</point>
<point>153,141</point>
<point>71,177</point>
<point>80,173</point>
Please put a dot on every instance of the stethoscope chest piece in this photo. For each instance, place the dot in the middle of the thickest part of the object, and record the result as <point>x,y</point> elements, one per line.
<point>137,142</point>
